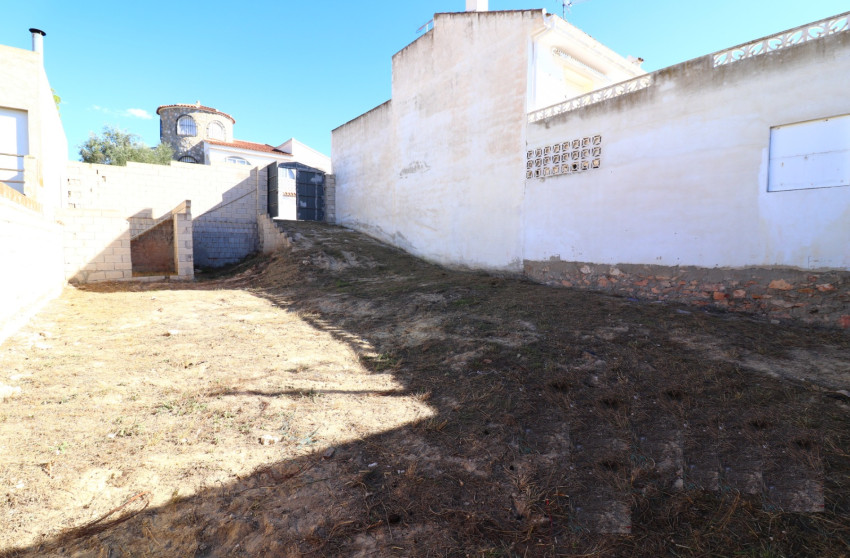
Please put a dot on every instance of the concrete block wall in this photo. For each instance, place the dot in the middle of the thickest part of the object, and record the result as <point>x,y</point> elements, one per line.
<point>226,200</point>
<point>31,259</point>
<point>271,238</point>
<point>96,245</point>
<point>330,198</point>
<point>165,247</point>
<point>183,241</point>
<point>219,242</point>
<point>138,225</point>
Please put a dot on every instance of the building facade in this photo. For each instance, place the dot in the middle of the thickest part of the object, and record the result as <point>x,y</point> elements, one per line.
<point>515,142</point>
<point>204,135</point>
<point>186,127</point>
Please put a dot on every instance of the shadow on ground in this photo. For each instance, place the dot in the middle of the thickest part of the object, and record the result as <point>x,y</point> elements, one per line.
<point>563,423</point>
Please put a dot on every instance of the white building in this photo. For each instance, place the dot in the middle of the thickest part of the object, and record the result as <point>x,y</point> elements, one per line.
<point>513,141</point>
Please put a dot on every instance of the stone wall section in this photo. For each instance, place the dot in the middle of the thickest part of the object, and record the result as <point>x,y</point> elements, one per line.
<point>191,145</point>
<point>778,294</point>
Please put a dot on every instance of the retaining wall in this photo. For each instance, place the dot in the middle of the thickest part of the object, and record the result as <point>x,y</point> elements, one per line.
<point>225,201</point>
<point>30,257</point>
<point>778,293</point>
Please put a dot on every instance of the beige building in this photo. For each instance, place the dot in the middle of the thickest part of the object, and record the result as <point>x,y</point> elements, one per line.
<point>33,154</point>
<point>30,125</point>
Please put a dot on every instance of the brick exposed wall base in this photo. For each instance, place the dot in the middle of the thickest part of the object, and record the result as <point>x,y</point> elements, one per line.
<point>776,293</point>
<point>153,251</point>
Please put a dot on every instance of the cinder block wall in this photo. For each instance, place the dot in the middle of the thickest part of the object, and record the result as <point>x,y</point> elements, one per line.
<point>96,245</point>
<point>330,198</point>
<point>31,259</point>
<point>225,201</point>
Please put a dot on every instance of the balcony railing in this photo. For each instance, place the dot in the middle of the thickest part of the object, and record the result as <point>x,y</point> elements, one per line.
<point>786,39</point>
<point>12,170</point>
<point>792,37</point>
<point>616,90</point>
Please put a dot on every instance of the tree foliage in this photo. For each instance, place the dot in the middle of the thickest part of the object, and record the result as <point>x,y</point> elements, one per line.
<point>116,147</point>
<point>56,99</point>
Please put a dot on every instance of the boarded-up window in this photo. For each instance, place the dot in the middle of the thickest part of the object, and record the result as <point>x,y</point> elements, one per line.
<point>814,154</point>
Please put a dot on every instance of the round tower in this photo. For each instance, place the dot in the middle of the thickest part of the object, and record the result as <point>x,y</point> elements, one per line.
<point>184,127</point>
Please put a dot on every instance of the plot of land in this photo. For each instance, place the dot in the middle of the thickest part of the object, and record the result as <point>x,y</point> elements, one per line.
<point>344,399</point>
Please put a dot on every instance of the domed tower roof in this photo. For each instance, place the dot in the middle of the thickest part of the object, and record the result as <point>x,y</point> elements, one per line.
<point>197,107</point>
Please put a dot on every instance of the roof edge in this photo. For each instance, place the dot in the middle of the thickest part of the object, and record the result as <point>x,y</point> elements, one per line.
<point>196,107</point>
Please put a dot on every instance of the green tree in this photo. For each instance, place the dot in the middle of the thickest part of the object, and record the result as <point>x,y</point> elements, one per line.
<point>115,147</point>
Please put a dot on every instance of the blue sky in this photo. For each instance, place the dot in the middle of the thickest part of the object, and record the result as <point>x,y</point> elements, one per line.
<point>299,69</point>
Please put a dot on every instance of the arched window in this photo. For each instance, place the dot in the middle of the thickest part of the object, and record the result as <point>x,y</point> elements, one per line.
<point>187,159</point>
<point>236,161</point>
<point>186,126</point>
<point>215,130</point>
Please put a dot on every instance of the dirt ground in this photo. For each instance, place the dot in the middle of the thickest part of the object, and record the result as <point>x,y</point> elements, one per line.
<point>341,398</point>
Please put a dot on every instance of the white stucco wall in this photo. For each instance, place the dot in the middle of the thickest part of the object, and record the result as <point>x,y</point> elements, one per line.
<point>217,155</point>
<point>30,237</point>
<point>439,170</point>
<point>30,258</point>
<point>300,153</point>
<point>683,179</point>
<point>306,155</point>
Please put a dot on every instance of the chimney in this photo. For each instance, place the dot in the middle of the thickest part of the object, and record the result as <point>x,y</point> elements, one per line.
<point>37,40</point>
<point>476,5</point>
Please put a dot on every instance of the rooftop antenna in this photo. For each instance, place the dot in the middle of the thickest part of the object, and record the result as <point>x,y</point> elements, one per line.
<point>567,4</point>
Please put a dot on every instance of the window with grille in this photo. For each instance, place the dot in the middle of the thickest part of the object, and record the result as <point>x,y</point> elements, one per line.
<point>215,131</point>
<point>186,126</point>
<point>237,161</point>
<point>187,159</point>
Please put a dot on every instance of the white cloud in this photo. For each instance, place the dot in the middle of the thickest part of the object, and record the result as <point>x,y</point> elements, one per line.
<point>131,113</point>
<point>139,113</point>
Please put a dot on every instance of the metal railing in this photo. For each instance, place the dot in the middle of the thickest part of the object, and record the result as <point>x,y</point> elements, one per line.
<point>17,170</point>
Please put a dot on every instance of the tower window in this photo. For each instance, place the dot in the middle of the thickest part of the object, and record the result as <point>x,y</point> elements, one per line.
<point>186,126</point>
<point>215,130</point>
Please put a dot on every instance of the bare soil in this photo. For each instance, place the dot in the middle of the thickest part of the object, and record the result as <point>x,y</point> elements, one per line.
<point>342,398</point>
